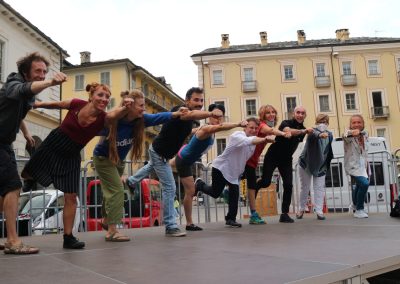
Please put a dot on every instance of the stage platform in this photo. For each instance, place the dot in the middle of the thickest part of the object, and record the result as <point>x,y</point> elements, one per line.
<point>308,251</point>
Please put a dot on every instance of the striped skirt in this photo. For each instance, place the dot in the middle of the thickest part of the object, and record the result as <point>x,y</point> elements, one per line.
<point>56,161</point>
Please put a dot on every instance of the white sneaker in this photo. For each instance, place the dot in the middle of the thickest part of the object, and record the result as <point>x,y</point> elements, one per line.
<point>352,208</point>
<point>360,214</point>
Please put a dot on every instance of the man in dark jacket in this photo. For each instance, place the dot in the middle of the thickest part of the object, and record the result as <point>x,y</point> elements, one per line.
<point>16,98</point>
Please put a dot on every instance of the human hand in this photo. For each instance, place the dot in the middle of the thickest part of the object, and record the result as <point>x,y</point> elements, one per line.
<point>323,135</point>
<point>309,130</point>
<point>182,111</point>
<point>128,102</point>
<point>216,113</point>
<point>58,79</point>
<point>355,132</point>
<point>243,123</point>
<point>287,134</point>
<point>29,140</point>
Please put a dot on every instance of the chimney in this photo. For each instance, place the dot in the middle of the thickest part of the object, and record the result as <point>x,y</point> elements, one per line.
<point>342,34</point>
<point>85,57</point>
<point>264,38</point>
<point>225,40</point>
<point>301,37</point>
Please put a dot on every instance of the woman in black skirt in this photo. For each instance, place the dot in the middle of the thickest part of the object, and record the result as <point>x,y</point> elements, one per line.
<point>57,160</point>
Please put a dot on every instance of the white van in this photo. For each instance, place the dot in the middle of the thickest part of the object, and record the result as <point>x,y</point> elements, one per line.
<point>45,207</point>
<point>382,179</point>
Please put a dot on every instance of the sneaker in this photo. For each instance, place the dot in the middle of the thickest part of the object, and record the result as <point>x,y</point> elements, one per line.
<point>320,216</point>
<point>197,183</point>
<point>70,242</point>
<point>193,227</point>
<point>174,232</point>
<point>29,184</point>
<point>360,214</point>
<point>285,218</point>
<point>300,214</point>
<point>232,224</point>
<point>256,220</point>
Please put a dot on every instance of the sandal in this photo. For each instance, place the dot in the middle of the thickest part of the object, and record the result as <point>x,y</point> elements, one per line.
<point>19,249</point>
<point>300,214</point>
<point>117,237</point>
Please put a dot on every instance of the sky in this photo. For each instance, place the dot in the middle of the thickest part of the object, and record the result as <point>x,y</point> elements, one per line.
<point>162,35</point>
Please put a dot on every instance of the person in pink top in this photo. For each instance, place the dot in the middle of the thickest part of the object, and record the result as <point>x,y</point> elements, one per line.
<point>268,120</point>
<point>57,160</point>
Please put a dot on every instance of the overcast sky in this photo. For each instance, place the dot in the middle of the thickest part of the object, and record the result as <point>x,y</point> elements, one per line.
<point>162,35</point>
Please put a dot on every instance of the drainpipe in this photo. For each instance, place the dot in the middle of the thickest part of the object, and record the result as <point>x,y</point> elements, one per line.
<point>61,68</point>
<point>335,93</point>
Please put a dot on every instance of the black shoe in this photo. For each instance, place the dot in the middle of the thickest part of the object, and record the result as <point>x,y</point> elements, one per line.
<point>29,184</point>
<point>285,218</point>
<point>193,227</point>
<point>70,242</point>
<point>198,183</point>
<point>233,224</point>
<point>321,216</point>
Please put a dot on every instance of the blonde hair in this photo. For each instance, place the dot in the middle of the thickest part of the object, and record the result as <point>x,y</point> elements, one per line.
<point>359,116</point>
<point>263,110</point>
<point>137,132</point>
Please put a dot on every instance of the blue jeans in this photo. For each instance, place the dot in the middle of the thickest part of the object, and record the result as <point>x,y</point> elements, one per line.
<point>359,191</point>
<point>164,172</point>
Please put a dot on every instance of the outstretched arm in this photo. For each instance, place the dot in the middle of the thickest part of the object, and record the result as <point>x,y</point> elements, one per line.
<point>53,105</point>
<point>200,114</point>
<point>58,79</point>
<point>266,130</point>
<point>208,130</point>
<point>119,112</point>
<point>297,132</point>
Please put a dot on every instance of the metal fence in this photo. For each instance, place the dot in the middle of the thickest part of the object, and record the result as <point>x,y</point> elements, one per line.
<point>40,211</point>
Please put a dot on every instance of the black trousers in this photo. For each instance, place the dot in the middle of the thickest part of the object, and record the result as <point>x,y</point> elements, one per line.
<point>285,170</point>
<point>215,190</point>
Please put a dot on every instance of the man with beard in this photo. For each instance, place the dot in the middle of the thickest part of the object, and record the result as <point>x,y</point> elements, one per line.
<point>165,146</point>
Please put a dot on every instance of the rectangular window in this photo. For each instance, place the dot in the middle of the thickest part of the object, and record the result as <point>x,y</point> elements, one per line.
<point>221,145</point>
<point>324,103</point>
<point>79,82</point>
<point>217,77</point>
<point>380,132</point>
<point>290,104</point>
<point>111,104</point>
<point>346,65</point>
<point>219,103</point>
<point>373,67</point>
<point>351,101</point>
<point>320,69</point>
<point>288,69</point>
<point>251,108</point>
<point>377,176</point>
<point>248,74</point>
<point>105,78</point>
<point>133,82</point>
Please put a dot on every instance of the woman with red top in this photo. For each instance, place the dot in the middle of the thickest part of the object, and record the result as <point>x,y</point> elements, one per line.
<point>58,161</point>
<point>268,119</point>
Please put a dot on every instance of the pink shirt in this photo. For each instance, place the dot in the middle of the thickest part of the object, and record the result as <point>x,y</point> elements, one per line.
<point>71,127</point>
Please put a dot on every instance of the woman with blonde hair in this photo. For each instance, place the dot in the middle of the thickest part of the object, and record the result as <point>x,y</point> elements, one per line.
<point>124,135</point>
<point>57,160</point>
<point>356,162</point>
<point>314,162</point>
<point>268,117</point>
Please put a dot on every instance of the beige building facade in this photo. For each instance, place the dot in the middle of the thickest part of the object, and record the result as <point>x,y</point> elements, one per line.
<point>339,76</point>
<point>119,75</point>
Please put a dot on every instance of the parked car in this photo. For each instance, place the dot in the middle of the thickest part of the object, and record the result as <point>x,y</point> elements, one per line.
<point>23,225</point>
<point>142,207</point>
<point>45,209</point>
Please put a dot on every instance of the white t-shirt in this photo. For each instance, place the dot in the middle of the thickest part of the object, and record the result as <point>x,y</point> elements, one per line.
<point>233,160</point>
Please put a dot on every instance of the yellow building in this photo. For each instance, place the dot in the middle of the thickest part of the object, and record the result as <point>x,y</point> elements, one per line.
<point>120,75</point>
<point>338,76</point>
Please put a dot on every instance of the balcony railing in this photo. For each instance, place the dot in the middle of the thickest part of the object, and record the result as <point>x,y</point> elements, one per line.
<point>380,112</point>
<point>349,80</point>
<point>249,86</point>
<point>322,81</point>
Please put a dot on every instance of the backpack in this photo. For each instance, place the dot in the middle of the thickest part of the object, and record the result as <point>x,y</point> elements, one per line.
<point>395,212</point>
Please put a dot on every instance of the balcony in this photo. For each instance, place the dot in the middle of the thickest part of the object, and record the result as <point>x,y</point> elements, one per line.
<point>380,112</point>
<point>249,86</point>
<point>322,81</point>
<point>349,80</point>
